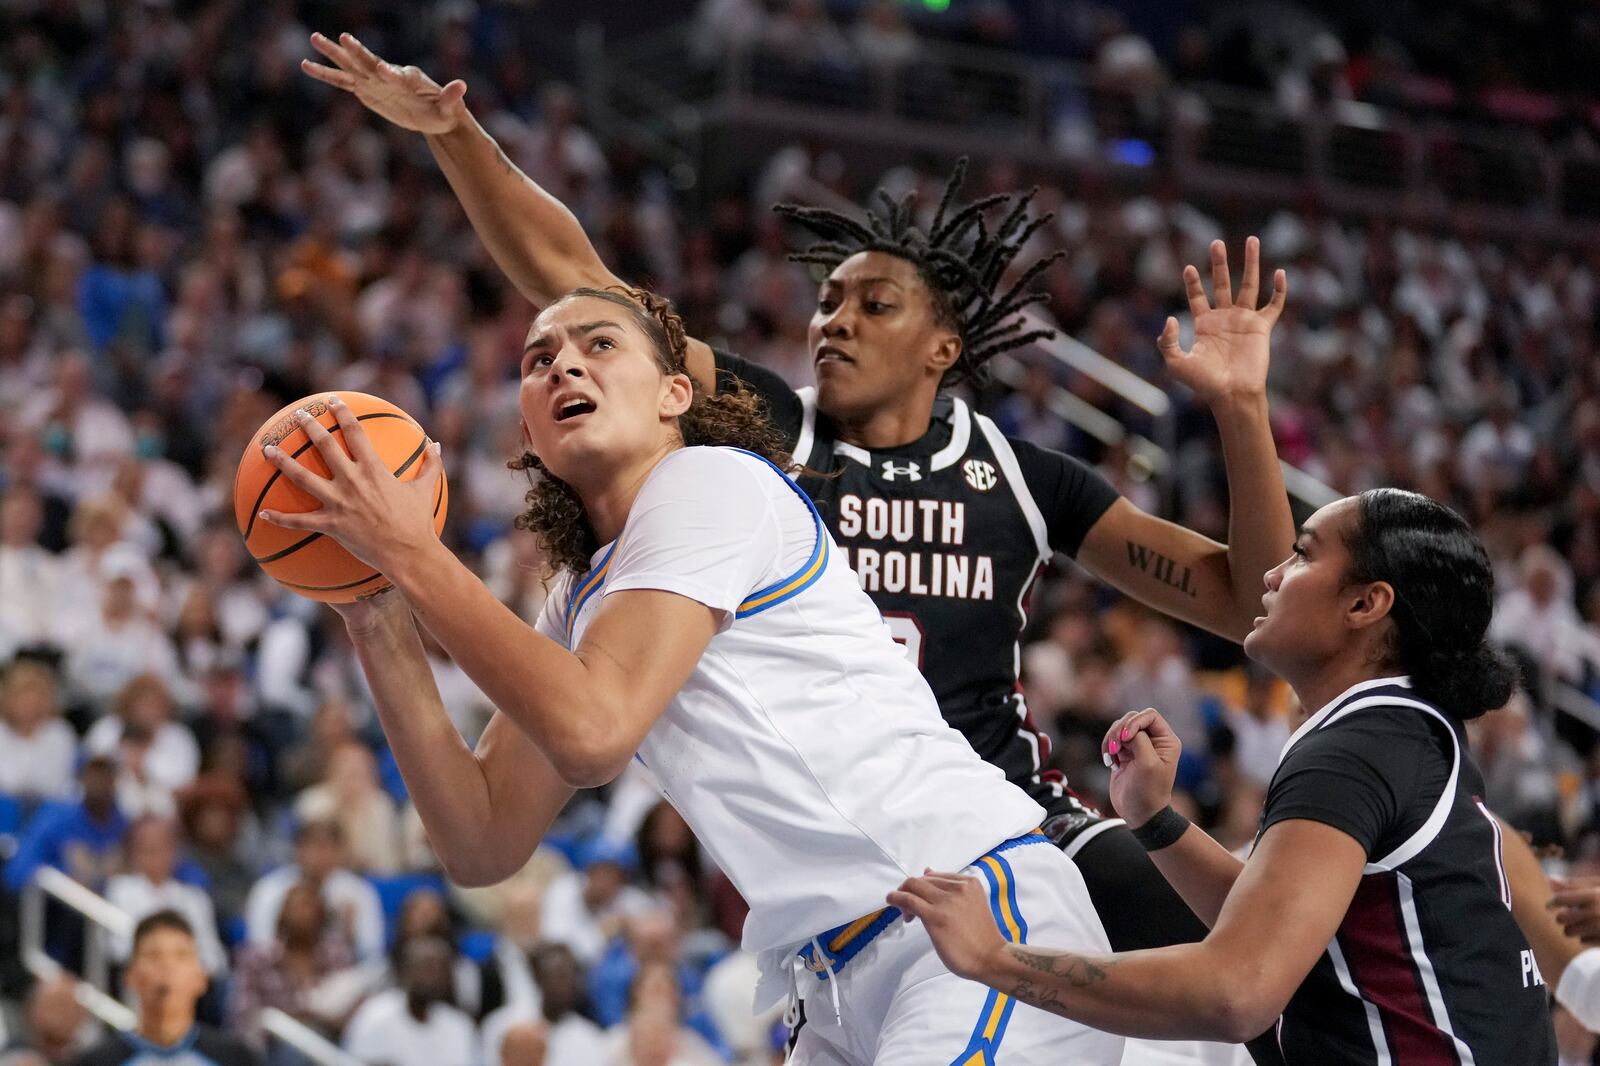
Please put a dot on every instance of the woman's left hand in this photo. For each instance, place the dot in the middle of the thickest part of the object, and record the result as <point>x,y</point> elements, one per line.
<point>376,516</point>
<point>955,908</point>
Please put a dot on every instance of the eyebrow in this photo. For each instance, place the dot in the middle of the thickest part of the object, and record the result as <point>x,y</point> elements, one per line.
<point>864,281</point>
<point>1307,533</point>
<point>585,328</point>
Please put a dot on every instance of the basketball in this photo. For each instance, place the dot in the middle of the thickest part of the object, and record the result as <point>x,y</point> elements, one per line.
<point>311,564</point>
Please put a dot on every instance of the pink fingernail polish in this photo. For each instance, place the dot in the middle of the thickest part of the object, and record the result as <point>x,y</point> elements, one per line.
<point>1113,747</point>
<point>1124,732</point>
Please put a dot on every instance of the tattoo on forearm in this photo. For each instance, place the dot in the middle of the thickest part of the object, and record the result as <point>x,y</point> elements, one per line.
<point>505,160</point>
<point>1165,570</point>
<point>1077,970</point>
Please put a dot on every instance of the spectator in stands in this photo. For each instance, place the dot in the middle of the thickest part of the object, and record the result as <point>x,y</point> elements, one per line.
<point>415,1024</point>
<point>319,858</point>
<point>572,1039</point>
<point>350,794</point>
<point>585,908</point>
<point>505,975</point>
<point>82,839</point>
<point>120,642</point>
<point>1260,730</point>
<point>29,615</point>
<point>290,973</point>
<point>653,937</point>
<point>157,754</point>
<point>653,1034</point>
<point>1538,616</point>
<point>38,751</point>
<point>210,809</point>
<point>1156,674</point>
<point>55,1026</point>
<point>151,884</point>
<point>424,913</point>
<point>167,980</point>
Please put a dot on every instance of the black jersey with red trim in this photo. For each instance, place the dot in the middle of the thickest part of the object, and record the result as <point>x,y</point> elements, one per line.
<point>947,534</point>
<point>1428,966</point>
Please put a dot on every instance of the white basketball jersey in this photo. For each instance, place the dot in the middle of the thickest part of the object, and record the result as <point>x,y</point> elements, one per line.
<point>805,751</point>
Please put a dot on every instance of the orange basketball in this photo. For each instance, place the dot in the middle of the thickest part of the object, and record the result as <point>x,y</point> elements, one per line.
<point>311,564</point>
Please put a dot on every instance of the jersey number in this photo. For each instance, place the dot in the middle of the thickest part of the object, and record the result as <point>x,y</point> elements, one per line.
<point>907,632</point>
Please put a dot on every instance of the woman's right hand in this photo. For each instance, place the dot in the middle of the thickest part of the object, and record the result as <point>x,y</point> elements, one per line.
<point>1142,751</point>
<point>403,95</point>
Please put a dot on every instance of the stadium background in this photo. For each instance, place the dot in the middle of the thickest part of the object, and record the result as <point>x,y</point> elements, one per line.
<point>193,233</point>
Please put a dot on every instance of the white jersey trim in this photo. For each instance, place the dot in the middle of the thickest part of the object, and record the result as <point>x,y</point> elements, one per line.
<point>1499,855</point>
<point>1019,488</point>
<point>960,436</point>
<point>1430,829</point>
<point>1076,844</point>
<point>804,440</point>
<point>1430,980</point>
<point>1380,1045</point>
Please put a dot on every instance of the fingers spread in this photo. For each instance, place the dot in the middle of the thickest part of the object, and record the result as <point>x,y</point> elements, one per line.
<point>1195,292</point>
<point>333,76</point>
<point>1221,286</point>
<point>360,53</point>
<point>335,51</point>
<point>1250,282</point>
<point>328,446</point>
<point>355,434</point>
<point>296,474</point>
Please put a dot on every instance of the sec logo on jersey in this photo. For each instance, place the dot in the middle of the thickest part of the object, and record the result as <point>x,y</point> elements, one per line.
<point>980,475</point>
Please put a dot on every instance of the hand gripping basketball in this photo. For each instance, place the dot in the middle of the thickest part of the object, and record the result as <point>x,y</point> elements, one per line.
<point>377,506</point>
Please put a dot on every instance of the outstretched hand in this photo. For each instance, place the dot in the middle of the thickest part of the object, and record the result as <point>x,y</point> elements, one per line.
<point>1230,351</point>
<point>955,909</point>
<point>403,95</point>
<point>1142,751</point>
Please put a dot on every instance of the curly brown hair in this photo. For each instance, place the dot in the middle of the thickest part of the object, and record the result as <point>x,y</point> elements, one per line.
<point>736,419</point>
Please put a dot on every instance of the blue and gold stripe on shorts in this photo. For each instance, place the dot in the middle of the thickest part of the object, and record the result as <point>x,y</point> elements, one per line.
<point>984,1043</point>
<point>845,942</point>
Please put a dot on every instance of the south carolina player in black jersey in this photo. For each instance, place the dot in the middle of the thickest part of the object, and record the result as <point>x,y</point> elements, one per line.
<point>1375,913</point>
<point>945,520</point>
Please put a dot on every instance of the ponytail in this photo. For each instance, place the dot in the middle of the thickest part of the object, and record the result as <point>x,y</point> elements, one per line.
<point>1444,597</point>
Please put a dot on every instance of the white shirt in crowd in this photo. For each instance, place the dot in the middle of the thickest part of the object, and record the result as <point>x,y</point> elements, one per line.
<point>102,659</point>
<point>30,609</point>
<point>345,894</point>
<point>564,918</point>
<point>137,896</point>
<point>1258,744</point>
<point>573,1041</point>
<point>383,1032</point>
<point>170,763</point>
<point>42,765</point>
<point>799,796</point>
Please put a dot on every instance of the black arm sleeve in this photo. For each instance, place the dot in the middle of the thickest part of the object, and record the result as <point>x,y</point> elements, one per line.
<point>1071,495</point>
<point>783,406</point>
<point>1375,775</point>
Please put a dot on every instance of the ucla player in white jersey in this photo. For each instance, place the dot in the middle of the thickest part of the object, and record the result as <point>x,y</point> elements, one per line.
<point>703,624</point>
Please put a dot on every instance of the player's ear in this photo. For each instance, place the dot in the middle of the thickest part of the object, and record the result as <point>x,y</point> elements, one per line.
<point>678,395</point>
<point>945,353</point>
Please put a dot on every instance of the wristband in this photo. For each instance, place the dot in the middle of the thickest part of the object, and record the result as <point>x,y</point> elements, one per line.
<point>1162,830</point>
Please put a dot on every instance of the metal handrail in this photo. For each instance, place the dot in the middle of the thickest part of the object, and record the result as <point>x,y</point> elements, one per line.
<point>104,917</point>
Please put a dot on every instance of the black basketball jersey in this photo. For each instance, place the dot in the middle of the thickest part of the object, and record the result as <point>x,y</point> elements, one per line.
<point>1428,966</point>
<point>947,536</point>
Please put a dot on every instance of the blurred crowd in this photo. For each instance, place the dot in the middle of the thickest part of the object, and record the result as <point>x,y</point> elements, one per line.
<point>192,234</point>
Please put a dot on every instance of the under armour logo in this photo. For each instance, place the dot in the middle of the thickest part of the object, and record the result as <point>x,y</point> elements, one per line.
<point>980,475</point>
<point>892,470</point>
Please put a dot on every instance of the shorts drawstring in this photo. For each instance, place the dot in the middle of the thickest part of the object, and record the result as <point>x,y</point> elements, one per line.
<point>833,980</point>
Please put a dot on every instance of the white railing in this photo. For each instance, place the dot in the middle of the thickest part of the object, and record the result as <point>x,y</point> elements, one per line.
<point>101,918</point>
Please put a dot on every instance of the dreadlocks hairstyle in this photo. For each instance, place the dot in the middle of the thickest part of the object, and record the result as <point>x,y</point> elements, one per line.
<point>737,418</point>
<point>959,257</point>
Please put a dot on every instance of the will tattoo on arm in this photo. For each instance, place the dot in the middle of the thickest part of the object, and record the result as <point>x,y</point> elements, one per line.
<point>1161,567</point>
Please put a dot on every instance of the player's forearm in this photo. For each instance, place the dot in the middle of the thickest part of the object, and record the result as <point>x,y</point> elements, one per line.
<point>1200,870</point>
<point>1260,523</point>
<point>532,236</point>
<point>540,685</point>
<point>1166,994</point>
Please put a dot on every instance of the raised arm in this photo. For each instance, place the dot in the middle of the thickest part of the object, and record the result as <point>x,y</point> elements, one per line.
<point>534,239</point>
<point>1176,570</point>
<point>486,810</point>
